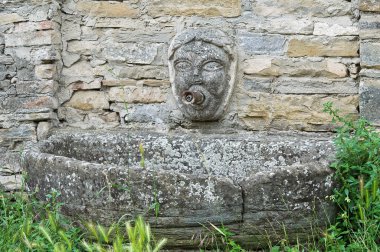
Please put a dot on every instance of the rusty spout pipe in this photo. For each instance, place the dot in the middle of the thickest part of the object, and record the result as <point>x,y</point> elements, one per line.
<point>193,97</point>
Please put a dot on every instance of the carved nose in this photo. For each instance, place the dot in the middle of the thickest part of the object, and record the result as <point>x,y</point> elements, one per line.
<point>194,97</point>
<point>196,76</point>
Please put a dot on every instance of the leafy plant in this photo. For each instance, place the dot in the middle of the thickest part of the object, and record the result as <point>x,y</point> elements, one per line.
<point>357,172</point>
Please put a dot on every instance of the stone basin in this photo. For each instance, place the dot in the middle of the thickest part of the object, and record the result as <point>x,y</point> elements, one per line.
<point>254,183</point>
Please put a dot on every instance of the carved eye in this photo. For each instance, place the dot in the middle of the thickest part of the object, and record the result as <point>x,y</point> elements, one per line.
<point>212,66</point>
<point>182,66</point>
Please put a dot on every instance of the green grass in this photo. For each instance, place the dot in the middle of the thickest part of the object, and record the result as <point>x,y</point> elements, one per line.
<point>27,225</point>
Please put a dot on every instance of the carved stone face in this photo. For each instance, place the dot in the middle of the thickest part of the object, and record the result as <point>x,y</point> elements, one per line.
<point>201,79</point>
<point>202,68</point>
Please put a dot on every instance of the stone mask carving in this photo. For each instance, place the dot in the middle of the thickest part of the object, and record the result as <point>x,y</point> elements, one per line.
<point>202,67</point>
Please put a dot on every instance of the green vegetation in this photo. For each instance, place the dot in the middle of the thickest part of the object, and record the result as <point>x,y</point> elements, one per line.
<point>27,225</point>
<point>357,172</point>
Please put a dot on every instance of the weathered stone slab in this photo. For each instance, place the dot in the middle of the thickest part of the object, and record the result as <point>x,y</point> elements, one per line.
<point>369,26</point>
<point>11,183</point>
<point>369,5</point>
<point>10,163</point>
<point>317,8</point>
<point>106,9</point>
<point>37,87</point>
<point>260,111</point>
<point>88,100</point>
<point>275,66</point>
<point>192,188</point>
<point>316,46</point>
<point>8,18</point>
<point>35,26</point>
<point>290,197</point>
<point>83,47</point>
<point>143,113</point>
<point>12,104</point>
<point>370,55</point>
<point>137,53</point>
<point>287,24</point>
<point>70,30</point>
<point>253,43</point>
<point>45,71</point>
<point>123,22</point>
<point>225,8</point>
<point>301,85</point>
<point>80,71</point>
<point>315,86</point>
<point>32,38</point>
<point>137,94</point>
<point>370,99</point>
<point>24,132</point>
<point>6,59</point>
<point>133,72</point>
<point>337,26</point>
<point>371,73</point>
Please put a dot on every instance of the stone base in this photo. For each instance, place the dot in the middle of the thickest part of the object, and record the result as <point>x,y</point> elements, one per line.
<point>256,184</point>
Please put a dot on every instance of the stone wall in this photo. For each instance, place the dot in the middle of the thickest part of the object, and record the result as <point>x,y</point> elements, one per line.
<point>103,64</point>
<point>30,63</point>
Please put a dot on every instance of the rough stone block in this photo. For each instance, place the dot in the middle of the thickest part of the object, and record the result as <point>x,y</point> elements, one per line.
<point>137,94</point>
<point>70,115</point>
<point>38,38</point>
<point>370,99</point>
<point>45,71</point>
<point>265,66</point>
<point>83,47</point>
<point>70,30</point>
<point>281,25</point>
<point>337,26</point>
<point>106,9</point>
<point>37,87</point>
<point>261,44</point>
<point>133,72</point>
<point>295,192</point>
<point>8,18</point>
<point>11,183</point>
<point>12,104</point>
<point>143,113</point>
<point>370,55</point>
<point>369,26</point>
<point>127,23</point>
<point>80,85</point>
<point>39,12</point>
<point>44,55</point>
<point>78,72</point>
<point>369,5</point>
<point>24,132</point>
<point>136,53</point>
<point>302,85</point>
<point>43,129</point>
<point>316,46</point>
<point>258,84</point>
<point>35,115</point>
<point>88,100</point>
<point>10,163</point>
<point>316,8</point>
<point>35,26</point>
<point>314,86</point>
<point>371,73</point>
<point>69,58</point>
<point>225,8</point>
<point>6,59</point>
<point>259,111</point>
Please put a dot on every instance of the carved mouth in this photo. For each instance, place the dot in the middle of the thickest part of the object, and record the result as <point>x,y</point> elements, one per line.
<point>193,97</point>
